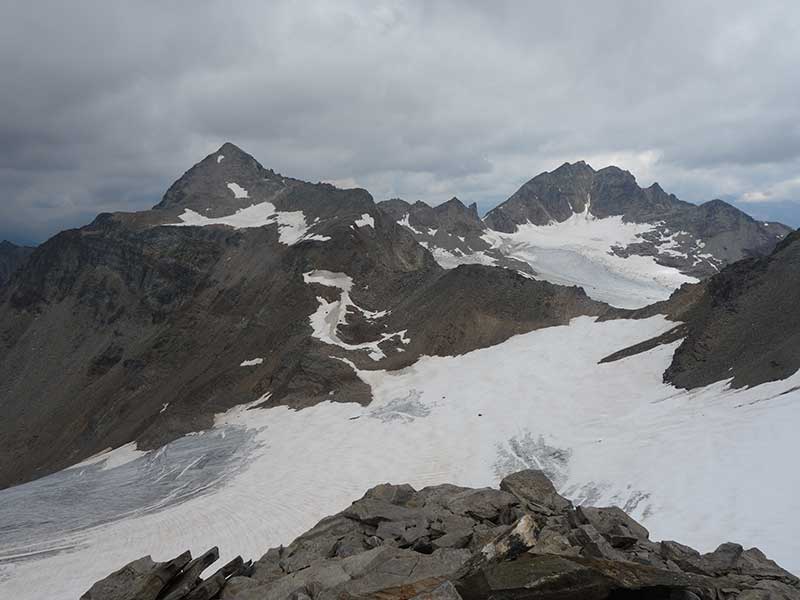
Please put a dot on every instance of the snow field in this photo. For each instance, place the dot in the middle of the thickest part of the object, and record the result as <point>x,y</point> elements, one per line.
<point>689,465</point>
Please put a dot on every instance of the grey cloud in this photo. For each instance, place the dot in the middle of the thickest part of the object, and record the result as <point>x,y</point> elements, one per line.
<point>104,104</point>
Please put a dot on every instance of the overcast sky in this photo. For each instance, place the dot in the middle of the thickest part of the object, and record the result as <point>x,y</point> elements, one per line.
<point>104,104</point>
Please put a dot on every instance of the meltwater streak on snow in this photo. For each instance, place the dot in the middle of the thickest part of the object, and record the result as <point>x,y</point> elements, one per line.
<point>701,467</point>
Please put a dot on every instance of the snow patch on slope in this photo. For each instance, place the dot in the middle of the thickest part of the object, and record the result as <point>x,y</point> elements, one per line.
<point>450,259</point>
<point>112,458</point>
<point>406,223</point>
<point>252,362</point>
<point>365,220</point>
<point>238,191</point>
<point>325,321</point>
<point>292,226</point>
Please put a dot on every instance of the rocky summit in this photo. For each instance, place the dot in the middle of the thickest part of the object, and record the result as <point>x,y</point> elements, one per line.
<point>445,542</point>
<point>697,239</point>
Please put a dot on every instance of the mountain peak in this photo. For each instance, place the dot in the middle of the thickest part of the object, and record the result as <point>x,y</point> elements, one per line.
<point>718,204</point>
<point>454,201</point>
<point>616,171</point>
<point>230,147</point>
<point>570,169</point>
<point>208,184</point>
<point>458,211</point>
<point>230,152</point>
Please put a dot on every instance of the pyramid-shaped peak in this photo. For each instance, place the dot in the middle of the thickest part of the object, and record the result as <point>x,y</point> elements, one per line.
<point>454,201</point>
<point>717,206</point>
<point>455,206</point>
<point>231,148</point>
<point>208,183</point>
<point>231,152</point>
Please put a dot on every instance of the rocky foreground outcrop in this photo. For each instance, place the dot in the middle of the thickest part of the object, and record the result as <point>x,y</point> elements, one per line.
<point>523,541</point>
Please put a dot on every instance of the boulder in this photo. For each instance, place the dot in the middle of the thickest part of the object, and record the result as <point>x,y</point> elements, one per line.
<point>485,504</point>
<point>393,494</point>
<point>373,510</point>
<point>732,559</point>
<point>548,577</point>
<point>190,576</point>
<point>618,528</point>
<point>592,543</point>
<point>535,491</point>
<point>141,579</point>
<point>520,538</point>
<point>770,590</point>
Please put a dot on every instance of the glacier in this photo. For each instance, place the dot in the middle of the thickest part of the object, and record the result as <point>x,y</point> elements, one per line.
<point>689,465</point>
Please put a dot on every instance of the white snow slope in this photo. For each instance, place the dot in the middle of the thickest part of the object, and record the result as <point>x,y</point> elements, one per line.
<point>701,467</point>
<point>578,251</point>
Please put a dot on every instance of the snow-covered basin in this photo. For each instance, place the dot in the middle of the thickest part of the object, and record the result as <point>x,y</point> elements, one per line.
<point>702,467</point>
<point>578,251</point>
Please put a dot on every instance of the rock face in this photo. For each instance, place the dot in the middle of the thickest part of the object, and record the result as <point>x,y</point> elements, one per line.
<point>240,284</point>
<point>698,240</point>
<point>454,233</point>
<point>740,324</point>
<point>745,325</point>
<point>176,579</point>
<point>448,542</point>
<point>12,257</point>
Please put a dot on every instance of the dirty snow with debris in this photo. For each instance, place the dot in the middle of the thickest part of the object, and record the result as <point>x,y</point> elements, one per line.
<point>689,465</point>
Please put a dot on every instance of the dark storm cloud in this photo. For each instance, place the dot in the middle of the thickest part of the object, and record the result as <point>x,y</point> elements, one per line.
<point>103,104</point>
